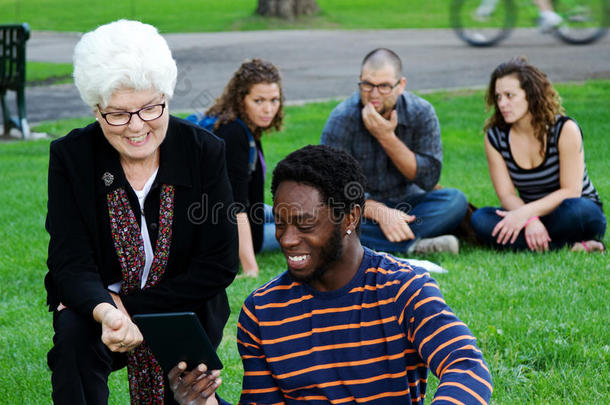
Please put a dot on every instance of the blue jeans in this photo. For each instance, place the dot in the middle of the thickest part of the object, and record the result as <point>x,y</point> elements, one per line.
<point>574,220</point>
<point>437,212</point>
<point>269,241</point>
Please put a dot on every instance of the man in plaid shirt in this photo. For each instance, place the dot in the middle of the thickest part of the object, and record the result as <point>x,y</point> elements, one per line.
<point>395,136</point>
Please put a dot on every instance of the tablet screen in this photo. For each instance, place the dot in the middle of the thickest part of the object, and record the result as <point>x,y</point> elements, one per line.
<point>177,336</point>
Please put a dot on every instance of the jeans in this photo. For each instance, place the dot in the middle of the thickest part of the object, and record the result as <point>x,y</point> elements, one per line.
<point>437,212</point>
<point>269,241</point>
<point>574,220</point>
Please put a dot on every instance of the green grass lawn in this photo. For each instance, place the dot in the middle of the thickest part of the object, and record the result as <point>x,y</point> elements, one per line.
<point>215,15</point>
<point>540,319</point>
<point>43,73</point>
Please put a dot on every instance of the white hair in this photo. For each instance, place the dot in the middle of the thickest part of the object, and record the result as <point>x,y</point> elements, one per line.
<point>122,55</point>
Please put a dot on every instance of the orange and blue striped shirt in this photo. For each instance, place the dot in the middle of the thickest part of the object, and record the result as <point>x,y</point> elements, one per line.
<point>371,341</point>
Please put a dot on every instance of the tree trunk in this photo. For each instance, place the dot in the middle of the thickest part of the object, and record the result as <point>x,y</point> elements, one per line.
<point>287,9</point>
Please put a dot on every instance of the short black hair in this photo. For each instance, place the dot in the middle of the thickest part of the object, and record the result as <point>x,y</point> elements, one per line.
<point>335,174</point>
<point>380,57</point>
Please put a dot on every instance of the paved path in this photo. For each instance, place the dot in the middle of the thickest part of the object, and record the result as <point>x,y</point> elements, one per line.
<point>324,64</point>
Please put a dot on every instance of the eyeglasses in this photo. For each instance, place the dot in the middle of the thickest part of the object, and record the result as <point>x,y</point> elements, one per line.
<point>148,113</point>
<point>383,88</point>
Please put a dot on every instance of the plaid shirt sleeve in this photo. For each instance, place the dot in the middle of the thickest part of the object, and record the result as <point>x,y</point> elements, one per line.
<point>336,132</point>
<point>422,135</point>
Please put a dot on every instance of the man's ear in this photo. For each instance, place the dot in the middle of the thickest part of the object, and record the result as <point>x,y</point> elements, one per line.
<point>352,218</point>
<point>403,84</point>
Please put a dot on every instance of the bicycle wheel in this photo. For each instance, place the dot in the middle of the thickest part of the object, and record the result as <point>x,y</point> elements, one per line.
<point>584,21</point>
<point>482,22</point>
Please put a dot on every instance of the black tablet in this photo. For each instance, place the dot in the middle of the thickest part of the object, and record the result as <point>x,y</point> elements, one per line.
<point>177,336</point>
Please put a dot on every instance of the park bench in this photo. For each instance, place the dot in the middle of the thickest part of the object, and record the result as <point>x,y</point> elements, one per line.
<point>12,74</point>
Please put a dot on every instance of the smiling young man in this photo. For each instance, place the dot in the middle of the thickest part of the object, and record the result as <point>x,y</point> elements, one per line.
<point>395,135</point>
<point>344,324</point>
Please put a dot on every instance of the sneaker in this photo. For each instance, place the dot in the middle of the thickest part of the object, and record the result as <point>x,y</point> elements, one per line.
<point>549,20</point>
<point>443,243</point>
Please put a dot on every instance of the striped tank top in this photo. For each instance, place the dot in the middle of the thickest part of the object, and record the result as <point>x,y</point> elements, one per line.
<point>536,183</point>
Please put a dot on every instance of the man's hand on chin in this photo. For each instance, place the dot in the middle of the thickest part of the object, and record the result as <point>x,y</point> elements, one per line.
<point>376,124</point>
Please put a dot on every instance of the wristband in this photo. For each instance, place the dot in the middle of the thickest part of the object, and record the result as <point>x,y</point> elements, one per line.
<point>530,220</point>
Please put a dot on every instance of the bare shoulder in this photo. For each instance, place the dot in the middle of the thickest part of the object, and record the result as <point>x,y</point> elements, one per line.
<point>570,127</point>
<point>570,136</point>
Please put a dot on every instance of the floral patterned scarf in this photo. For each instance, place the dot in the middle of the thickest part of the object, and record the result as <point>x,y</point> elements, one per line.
<point>145,374</point>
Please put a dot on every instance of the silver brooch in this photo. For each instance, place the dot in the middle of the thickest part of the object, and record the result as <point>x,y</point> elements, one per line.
<point>108,179</point>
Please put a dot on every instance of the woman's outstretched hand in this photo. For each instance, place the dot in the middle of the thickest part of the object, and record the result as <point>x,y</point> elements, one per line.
<point>119,332</point>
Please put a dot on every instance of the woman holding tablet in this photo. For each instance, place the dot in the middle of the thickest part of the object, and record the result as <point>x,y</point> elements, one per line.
<point>128,218</point>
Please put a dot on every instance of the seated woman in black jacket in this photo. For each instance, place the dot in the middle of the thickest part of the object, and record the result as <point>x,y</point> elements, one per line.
<point>251,104</point>
<point>129,219</point>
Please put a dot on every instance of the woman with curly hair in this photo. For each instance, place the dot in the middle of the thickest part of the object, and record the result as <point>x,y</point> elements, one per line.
<point>251,104</point>
<point>533,148</point>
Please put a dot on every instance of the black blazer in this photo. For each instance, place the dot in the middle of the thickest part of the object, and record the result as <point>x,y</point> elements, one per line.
<point>203,258</point>
<point>248,188</point>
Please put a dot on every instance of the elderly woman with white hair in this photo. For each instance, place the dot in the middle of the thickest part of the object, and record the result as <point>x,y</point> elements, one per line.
<point>138,216</point>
